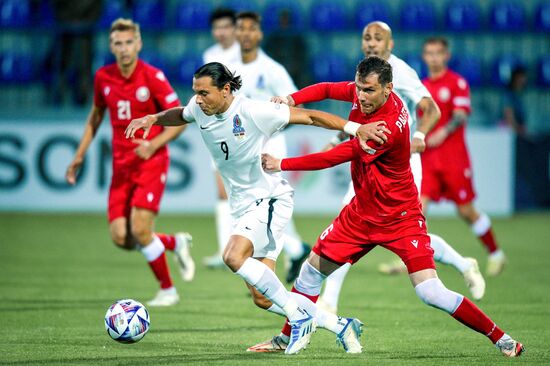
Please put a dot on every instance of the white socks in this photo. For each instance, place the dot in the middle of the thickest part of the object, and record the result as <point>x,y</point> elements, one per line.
<point>446,254</point>
<point>482,225</point>
<point>223,224</point>
<point>333,286</point>
<point>257,274</point>
<point>434,293</point>
<point>153,250</point>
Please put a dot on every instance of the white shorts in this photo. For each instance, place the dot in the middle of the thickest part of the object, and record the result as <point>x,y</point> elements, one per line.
<point>416,168</point>
<point>264,223</point>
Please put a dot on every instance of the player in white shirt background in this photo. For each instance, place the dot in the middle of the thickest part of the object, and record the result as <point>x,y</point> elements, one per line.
<point>226,49</point>
<point>377,40</point>
<point>234,129</point>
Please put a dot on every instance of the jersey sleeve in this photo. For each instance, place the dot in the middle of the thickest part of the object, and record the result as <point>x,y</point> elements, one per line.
<point>343,91</point>
<point>340,154</point>
<point>461,95</point>
<point>99,99</point>
<point>408,85</point>
<point>269,117</point>
<point>161,90</point>
<point>188,113</point>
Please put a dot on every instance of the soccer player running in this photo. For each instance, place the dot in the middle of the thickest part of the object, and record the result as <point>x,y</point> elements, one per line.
<point>386,209</point>
<point>130,88</point>
<point>234,129</point>
<point>446,163</point>
<point>377,40</point>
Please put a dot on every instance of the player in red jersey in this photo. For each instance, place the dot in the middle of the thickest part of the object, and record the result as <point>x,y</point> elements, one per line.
<point>386,209</point>
<point>447,171</point>
<point>129,89</point>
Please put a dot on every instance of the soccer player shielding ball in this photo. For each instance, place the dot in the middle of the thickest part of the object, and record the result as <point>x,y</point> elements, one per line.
<point>386,209</point>
<point>130,88</point>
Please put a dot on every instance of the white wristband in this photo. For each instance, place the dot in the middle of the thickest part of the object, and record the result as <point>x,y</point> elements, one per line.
<point>351,128</point>
<point>419,135</point>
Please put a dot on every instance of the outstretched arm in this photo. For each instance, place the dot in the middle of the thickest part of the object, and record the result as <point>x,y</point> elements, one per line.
<point>340,154</point>
<point>169,117</point>
<point>372,131</point>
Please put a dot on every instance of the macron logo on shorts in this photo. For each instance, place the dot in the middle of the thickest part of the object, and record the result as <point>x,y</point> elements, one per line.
<point>415,243</point>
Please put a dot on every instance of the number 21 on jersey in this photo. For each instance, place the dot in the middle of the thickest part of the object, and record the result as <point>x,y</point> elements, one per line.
<point>124,109</point>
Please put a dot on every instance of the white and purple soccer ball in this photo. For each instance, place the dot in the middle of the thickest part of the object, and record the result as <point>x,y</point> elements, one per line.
<point>127,321</point>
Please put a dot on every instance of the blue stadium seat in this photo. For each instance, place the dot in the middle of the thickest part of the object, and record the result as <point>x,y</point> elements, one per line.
<point>470,67</point>
<point>241,5</point>
<point>16,67</point>
<point>15,13</point>
<point>186,67</point>
<point>153,57</point>
<point>369,11</point>
<point>508,15</point>
<point>150,14</point>
<point>502,68</point>
<point>330,67</point>
<point>418,15</point>
<point>463,15</point>
<point>270,15</point>
<point>112,9</point>
<point>193,15</point>
<point>543,71</point>
<point>415,61</point>
<point>327,15</point>
<point>542,17</point>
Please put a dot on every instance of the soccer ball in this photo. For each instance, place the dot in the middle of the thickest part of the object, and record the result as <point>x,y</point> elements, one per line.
<point>127,321</point>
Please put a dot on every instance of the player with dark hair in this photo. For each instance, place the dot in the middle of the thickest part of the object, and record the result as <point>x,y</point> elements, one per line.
<point>226,49</point>
<point>385,210</point>
<point>234,129</point>
<point>446,162</point>
<point>130,88</point>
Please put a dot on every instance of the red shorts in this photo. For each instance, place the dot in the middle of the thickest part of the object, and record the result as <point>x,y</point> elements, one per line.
<point>139,185</point>
<point>349,238</point>
<point>453,181</point>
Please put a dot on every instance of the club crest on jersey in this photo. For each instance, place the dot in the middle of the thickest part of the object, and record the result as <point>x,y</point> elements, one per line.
<point>444,94</point>
<point>238,129</point>
<point>142,94</point>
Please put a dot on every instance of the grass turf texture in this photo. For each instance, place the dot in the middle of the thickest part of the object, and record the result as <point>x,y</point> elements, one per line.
<point>59,273</point>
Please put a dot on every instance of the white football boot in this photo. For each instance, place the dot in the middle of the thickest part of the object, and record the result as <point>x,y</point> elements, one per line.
<point>184,241</point>
<point>509,347</point>
<point>275,344</point>
<point>474,280</point>
<point>166,297</point>
<point>300,333</point>
<point>350,336</point>
<point>495,263</point>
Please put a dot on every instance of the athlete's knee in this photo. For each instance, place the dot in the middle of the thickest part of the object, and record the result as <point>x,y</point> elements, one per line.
<point>141,232</point>
<point>468,212</point>
<point>233,258</point>
<point>434,293</point>
<point>310,280</point>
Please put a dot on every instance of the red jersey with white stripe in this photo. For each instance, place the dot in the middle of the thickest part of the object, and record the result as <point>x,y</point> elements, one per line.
<point>451,92</point>
<point>146,91</point>
<point>382,177</point>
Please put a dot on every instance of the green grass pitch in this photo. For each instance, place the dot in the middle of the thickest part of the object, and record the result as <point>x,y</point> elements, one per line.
<point>59,273</point>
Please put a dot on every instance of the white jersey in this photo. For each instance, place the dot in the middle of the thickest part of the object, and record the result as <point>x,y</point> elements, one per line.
<point>235,139</point>
<point>263,78</point>
<point>216,53</point>
<point>408,87</point>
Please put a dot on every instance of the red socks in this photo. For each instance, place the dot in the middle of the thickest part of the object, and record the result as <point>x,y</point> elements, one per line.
<point>286,327</point>
<point>488,240</point>
<point>160,269</point>
<point>470,315</point>
<point>169,241</point>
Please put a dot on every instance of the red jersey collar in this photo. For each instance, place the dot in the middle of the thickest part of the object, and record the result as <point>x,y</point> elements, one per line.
<point>139,65</point>
<point>440,76</point>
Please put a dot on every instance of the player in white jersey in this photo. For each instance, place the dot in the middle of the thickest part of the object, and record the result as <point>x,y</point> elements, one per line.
<point>226,49</point>
<point>234,129</point>
<point>262,79</point>
<point>377,40</point>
